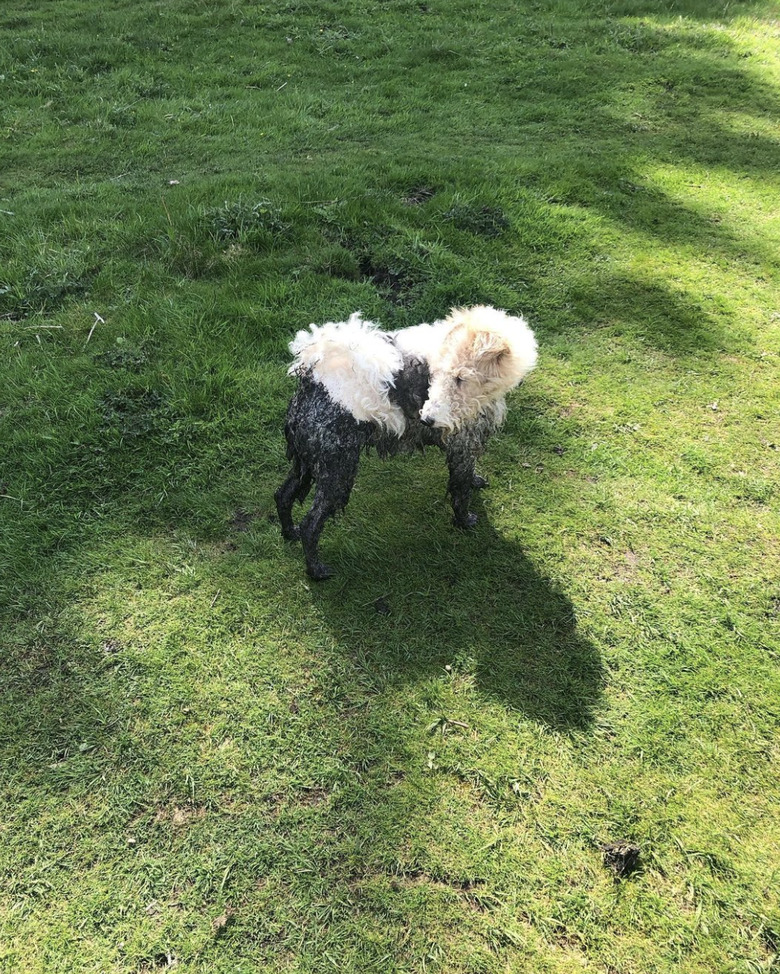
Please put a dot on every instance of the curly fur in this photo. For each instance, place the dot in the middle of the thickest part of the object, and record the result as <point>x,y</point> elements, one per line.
<point>357,363</point>
<point>483,354</point>
<point>441,384</point>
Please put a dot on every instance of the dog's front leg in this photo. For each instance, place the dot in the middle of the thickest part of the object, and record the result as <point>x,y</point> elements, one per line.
<point>461,462</point>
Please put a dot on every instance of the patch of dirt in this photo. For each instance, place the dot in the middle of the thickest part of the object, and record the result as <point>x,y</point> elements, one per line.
<point>221,923</point>
<point>390,280</point>
<point>579,475</point>
<point>179,816</point>
<point>621,857</point>
<point>159,962</point>
<point>570,409</point>
<point>415,877</point>
<point>223,548</point>
<point>242,520</point>
<point>382,606</point>
<point>313,796</point>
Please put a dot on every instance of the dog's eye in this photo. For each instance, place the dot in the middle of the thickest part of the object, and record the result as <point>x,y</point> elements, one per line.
<point>458,380</point>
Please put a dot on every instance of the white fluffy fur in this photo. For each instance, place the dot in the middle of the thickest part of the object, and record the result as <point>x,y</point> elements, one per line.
<point>422,341</point>
<point>355,362</point>
<point>483,354</point>
<point>475,357</point>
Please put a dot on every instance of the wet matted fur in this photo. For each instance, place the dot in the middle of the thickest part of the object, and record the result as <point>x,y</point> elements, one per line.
<point>442,384</point>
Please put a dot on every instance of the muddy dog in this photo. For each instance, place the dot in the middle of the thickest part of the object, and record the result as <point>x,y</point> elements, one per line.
<point>440,384</point>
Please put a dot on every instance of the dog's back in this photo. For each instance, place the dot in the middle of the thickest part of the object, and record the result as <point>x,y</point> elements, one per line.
<point>357,363</point>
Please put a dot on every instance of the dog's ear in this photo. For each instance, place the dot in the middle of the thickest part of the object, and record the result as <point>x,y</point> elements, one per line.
<point>491,353</point>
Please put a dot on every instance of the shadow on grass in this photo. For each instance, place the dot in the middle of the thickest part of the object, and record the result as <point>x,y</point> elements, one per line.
<point>414,596</point>
<point>62,728</point>
<point>651,309</point>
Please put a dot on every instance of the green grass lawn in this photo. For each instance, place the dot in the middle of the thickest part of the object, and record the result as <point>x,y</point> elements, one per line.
<point>210,763</point>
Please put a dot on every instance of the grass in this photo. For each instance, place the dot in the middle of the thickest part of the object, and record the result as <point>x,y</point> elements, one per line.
<point>213,765</point>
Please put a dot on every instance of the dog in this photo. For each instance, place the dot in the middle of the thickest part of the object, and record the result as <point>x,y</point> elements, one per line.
<point>441,384</point>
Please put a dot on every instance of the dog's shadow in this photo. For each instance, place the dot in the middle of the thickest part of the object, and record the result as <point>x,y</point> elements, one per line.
<point>416,596</point>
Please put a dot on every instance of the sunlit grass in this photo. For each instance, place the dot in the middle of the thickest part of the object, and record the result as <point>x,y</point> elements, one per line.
<point>212,763</point>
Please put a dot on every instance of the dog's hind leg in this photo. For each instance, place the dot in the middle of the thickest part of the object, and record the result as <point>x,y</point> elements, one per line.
<point>330,496</point>
<point>295,488</point>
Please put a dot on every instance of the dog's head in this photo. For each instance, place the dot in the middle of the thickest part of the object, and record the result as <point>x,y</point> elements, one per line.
<point>484,353</point>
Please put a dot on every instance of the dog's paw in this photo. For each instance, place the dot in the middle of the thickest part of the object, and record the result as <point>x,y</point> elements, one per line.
<point>319,572</point>
<point>469,521</point>
<point>479,482</point>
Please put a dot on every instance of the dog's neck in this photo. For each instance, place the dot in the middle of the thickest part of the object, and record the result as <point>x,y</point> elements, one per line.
<point>410,387</point>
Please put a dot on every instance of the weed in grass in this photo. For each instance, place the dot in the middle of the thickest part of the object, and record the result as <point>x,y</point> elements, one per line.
<point>124,356</point>
<point>133,411</point>
<point>43,287</point>
<point>254,225</point>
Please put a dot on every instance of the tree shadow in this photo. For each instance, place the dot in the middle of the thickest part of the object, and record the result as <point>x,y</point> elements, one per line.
<point>653,311</point>
<point>650,211</point>
<point>670,92</point>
